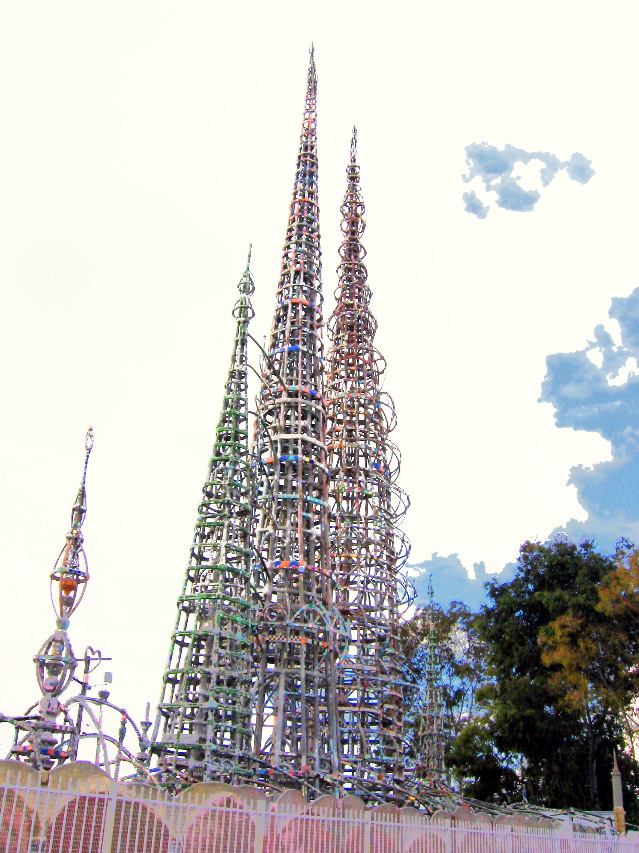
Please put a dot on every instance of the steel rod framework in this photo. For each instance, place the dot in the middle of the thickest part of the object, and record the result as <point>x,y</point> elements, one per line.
<point>285,664</point>
<point>55,661</point>
<point>366,506</point>
<point>300,634</point>
<point>205,707</point>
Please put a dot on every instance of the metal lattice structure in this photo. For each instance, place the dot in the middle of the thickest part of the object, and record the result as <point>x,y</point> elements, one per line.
<point>55,662</point>
<point>430,734</point>
<point>58,729</point>
<point>300,633</point>
<point>366,506</point>
<point>285,665</point>
<point>205,708</point>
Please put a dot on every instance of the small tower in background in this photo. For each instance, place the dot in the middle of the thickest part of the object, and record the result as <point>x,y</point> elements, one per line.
<point>432,735</point>
<point>204,725</point>
<point>366,507</point>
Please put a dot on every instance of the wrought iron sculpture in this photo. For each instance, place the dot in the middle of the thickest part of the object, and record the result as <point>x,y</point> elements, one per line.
<point>96,738</point>
<point>285,664</point>
<point>205,707</point>
<point>56,730</point>
<point>300,634</point>
<point>55,662</point>
<point>366,506</point>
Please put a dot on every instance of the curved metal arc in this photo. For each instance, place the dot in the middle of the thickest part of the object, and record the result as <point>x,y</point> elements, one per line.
<point>267,357</point>
<point>91,700</point>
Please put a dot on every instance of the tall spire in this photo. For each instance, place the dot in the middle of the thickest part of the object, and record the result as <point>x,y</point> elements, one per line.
<point>299,631</point>
<point>366,506</point>
<point>55,662</point>
<point>205,707</point>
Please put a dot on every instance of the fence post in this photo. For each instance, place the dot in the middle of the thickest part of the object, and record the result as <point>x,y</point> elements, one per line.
<point>367,831</point>
<point>260,827</point>
<point>556,840</point>
<point>109,820</point>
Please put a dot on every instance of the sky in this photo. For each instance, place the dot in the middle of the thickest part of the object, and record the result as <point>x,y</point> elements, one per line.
<point>144,145</point>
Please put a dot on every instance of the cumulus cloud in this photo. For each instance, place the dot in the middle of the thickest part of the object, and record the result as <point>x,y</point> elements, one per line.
<point>578,168</point>
<point>474,205</point>
<point>511,196</point>
<point>596,389</point>
<point>496,169</point>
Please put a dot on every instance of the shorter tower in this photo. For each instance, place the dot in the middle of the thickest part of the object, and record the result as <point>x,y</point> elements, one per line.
<point>366,506</point>
<point>55,662</point>
<point>203,731</point>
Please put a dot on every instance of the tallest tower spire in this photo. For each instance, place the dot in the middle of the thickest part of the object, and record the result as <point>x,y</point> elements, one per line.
<point>299,630</point>
<point>301,262</point>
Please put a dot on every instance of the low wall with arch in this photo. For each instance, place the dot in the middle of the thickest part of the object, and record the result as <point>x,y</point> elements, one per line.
<point>78,809</point>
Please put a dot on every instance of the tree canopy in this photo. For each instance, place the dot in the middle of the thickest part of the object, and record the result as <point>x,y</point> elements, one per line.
<point>548,692</point>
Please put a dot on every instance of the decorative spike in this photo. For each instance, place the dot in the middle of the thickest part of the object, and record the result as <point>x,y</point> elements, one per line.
<point>205,706</point>
<point>70,573</point>
<point>312,72</point>
<point>55,662</point>
<point>300,634</point>
<point>366,506</point>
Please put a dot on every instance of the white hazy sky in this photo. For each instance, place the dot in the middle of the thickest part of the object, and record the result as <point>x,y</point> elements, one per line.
<point>143,146</point>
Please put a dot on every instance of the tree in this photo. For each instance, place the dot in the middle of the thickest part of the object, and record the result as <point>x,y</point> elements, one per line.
<point>562,648</point>
<point>619,604</point>
<point>483,773</point>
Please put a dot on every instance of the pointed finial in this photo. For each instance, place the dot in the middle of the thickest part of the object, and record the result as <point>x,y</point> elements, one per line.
<point>246,288</point>
<point>88,447</point>
<point>70,573</point>
<point>79,508</point>
<point>312,73</point>
<point>354,144</point>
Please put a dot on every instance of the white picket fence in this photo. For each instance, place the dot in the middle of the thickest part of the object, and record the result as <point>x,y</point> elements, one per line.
<point>135,819</point>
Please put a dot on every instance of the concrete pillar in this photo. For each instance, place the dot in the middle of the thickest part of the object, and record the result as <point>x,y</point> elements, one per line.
<point>617,798</point>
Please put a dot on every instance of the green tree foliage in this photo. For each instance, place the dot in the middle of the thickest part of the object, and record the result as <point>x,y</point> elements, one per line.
<point>563,645</point>
<point>483,773</point>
